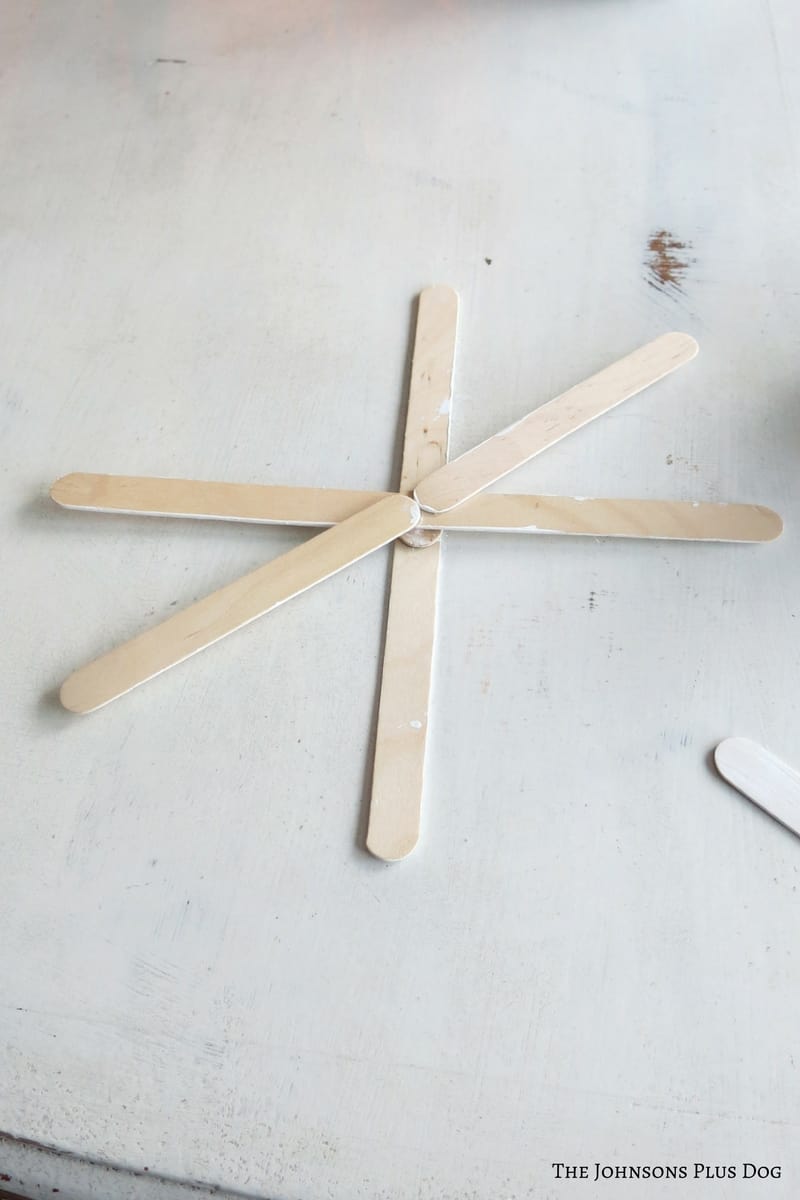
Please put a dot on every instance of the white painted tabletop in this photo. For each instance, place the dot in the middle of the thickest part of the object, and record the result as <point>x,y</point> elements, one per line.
<point>214,220</point>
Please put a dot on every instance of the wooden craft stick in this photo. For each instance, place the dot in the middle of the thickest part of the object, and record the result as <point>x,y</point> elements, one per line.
<point>455,482</point>
<point>268,505</point>
<point>430,394</point>
<point>320,507</point>
<point>401,737</point>
<point>762,777</point>
<point>668,519</point>
<point>237,604</point>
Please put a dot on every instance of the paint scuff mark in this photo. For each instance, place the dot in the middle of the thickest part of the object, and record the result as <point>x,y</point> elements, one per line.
<point>679,461</point>
<point>594,597</point>
<point>667,261</point>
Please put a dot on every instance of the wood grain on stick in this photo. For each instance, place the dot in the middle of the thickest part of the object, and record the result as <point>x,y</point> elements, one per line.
<point>470,473</point>
<point>236,605</point>
<point>321,507</point>
<point>401,737</point>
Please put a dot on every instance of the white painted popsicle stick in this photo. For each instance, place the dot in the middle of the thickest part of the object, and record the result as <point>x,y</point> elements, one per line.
<point>762,778</point>
<point>236,605</point>
<point>401,736</point>
<point>492,512</point>
<point>470,473</point>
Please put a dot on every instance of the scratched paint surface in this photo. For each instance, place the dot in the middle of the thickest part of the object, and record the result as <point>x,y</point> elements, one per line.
<point>214,221</point>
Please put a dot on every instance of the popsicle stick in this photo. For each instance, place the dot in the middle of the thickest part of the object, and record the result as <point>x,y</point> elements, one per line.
<point>667,519</point>
<point>455,482</point>
<point>488,512</point>
<point>268,505</point>
<point>762,778</point>
<point>401,737</point>
<point>236,605</point>
<point>430,394</point>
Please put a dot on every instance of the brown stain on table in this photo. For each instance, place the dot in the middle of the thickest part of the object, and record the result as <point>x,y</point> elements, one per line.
<point>667,261</point>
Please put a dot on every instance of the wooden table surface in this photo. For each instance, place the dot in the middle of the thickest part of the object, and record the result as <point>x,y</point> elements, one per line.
<point>214,220</point>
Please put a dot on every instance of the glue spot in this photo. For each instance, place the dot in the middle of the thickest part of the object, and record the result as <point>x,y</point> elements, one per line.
<point>415,724</point>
